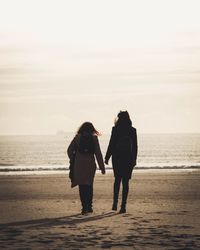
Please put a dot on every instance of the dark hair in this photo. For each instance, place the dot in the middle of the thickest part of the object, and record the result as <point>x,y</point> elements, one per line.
<point>87,127</point>
<point>123,120</point>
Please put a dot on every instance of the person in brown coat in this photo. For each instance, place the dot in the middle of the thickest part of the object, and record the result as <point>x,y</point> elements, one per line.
<point>123,149</point>
<point>83,151</point>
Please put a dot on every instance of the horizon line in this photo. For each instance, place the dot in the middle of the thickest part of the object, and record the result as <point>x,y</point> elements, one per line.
<point>70,132</point>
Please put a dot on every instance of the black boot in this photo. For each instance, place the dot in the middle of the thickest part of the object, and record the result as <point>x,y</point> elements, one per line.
<point>90,209</point>
<point>90,199</point>
<point>116,193</point>
<point>125,190</point>
<point>114,206</point>
<point>83,211</point>
<point>82,193</point>
<point>122,209</point>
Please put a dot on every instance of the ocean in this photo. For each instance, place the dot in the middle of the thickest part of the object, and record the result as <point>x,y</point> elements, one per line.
<point>47,153</point>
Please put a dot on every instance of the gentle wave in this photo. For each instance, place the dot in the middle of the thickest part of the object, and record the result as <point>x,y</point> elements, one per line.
<point>63,167</point>
<point>21,155</point>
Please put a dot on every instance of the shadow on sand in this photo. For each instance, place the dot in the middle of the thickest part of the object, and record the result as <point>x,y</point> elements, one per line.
<point>67,220</point>
<point>76,232</point>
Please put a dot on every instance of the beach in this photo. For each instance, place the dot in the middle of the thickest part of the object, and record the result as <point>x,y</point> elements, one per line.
<point>43,212</point>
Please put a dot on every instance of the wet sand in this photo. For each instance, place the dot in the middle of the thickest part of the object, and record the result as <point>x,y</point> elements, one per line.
<point>43,212</point>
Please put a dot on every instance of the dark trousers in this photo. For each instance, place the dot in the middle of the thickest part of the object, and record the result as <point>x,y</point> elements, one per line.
<point>125,189</point>
<point>86,196</point>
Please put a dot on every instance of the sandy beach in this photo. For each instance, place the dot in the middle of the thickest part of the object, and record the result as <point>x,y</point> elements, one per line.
<point>43,212</point>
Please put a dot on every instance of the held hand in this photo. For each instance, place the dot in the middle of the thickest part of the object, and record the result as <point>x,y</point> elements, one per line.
<point>103,171</point>
<point>106,162</point>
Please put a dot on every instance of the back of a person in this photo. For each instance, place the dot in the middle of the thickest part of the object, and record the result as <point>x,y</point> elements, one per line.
<point>85,147</point>
<point>85,165</point>
<point>123,149</point>
<point>124,139</point>
<point>123,146</point>
<point>86,144</point>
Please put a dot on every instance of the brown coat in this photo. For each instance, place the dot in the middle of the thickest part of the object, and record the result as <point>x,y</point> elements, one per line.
<point>85,164</point>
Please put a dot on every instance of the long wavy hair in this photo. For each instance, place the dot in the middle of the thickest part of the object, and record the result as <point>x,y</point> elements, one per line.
<point>88,127</point>
<point>123,120</point>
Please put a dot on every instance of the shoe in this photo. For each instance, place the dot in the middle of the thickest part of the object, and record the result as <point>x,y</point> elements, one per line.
<point>114,207</point>
<point>83,211</point>
<point>90,210</point>
<point>122,210</point>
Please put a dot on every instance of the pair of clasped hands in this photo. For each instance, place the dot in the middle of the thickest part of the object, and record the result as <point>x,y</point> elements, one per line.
<point>104,171</point>
<point>106,162</point>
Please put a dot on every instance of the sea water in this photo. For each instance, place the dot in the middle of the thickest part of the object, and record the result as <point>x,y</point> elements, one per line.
<point>48,153</point>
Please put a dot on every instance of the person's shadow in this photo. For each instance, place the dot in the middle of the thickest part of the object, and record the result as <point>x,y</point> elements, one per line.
<point>48,222</point>
<point>69,234</point>
<point>33,233</point>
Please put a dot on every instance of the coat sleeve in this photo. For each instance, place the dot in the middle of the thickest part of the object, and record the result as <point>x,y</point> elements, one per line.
<point>98,154</point>
<point>72,148</point>
<point>110,146</point>
<point>135,145</point>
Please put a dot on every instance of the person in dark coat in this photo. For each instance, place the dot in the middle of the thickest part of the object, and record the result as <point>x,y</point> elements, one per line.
<point>123,149</point>
<point>84,150</point>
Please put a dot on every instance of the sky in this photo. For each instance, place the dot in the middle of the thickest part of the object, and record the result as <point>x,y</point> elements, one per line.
<point>65,62</point>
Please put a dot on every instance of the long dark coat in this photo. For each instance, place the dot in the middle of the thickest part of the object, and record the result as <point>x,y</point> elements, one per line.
<point>123,163</point>
<point>85,164</point>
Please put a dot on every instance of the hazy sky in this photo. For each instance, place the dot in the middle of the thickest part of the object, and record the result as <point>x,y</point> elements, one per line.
<point>65,62</point>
